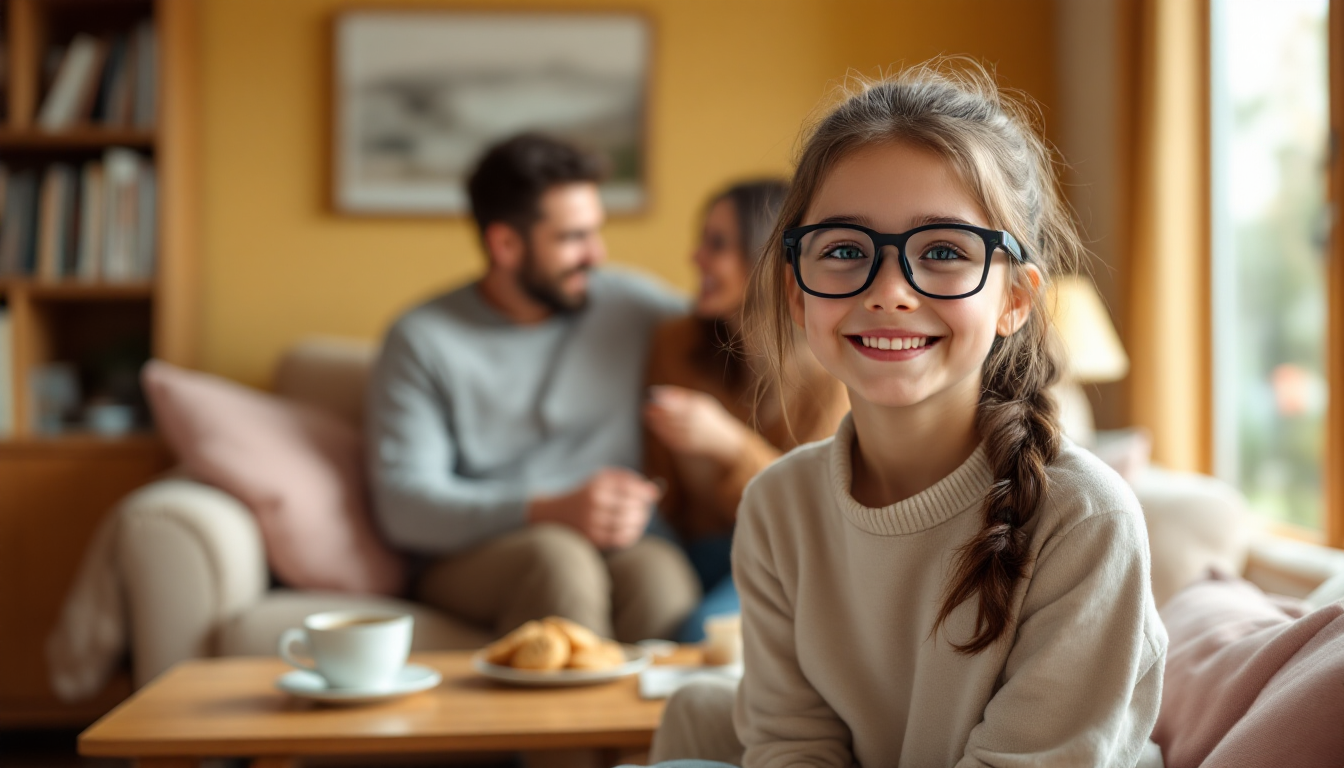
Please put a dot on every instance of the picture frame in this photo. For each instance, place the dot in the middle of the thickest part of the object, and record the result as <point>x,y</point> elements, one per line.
<point>419,94</point>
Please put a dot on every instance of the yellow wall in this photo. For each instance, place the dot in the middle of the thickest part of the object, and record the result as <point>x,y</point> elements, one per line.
<point>733,80</point>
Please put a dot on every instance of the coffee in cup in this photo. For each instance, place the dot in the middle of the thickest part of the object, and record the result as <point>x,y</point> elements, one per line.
<point>351,649</point>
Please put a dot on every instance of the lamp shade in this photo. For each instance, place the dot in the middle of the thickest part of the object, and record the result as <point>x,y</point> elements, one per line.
<point>1089,339</point>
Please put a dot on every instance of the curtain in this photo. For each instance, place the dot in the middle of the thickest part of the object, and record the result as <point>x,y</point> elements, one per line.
<point>1167,324</point>
<point>1334,425</point>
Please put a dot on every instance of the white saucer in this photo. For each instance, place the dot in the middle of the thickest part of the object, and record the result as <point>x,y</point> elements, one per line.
<point>310,685</point>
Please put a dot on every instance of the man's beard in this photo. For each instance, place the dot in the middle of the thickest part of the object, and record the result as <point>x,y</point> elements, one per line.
<point>546,290</point>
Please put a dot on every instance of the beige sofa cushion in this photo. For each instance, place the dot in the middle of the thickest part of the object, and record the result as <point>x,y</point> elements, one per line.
<point>256,631</point>
<point>330,373</point>
<point>1195,522</point>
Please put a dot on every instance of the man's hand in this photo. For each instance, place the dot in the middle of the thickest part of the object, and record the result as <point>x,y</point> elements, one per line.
<point>693,423</point>
<point>612,509</point>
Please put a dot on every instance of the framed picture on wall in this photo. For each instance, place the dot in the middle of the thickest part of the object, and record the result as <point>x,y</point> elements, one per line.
<point>419,95</point>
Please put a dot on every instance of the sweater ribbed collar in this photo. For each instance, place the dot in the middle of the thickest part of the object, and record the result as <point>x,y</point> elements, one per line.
<point>964,488</point>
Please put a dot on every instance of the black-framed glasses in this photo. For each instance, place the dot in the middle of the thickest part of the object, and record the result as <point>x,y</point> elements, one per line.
<point>941,261</point>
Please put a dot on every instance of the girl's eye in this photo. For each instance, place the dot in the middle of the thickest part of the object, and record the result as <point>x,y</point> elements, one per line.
<point>942,253</point>
<point>844,252</point>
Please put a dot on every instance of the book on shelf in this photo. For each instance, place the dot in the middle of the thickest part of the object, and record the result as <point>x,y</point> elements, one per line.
<point>47,230</point>
<point>109,80</point>
<point>146,76</point>
<point>6,373</point>
<point>18,228</point>
<point>93,222</point>
<point>58,217</point>
<point>72,94</point>
<point>89,263</point>
<point>146,225</point>
<point>129,217</point>
<point>111,105</point>
<point>4,71</point>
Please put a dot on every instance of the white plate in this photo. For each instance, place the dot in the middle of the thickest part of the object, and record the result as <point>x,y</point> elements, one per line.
<point>309,685</point>
<point>636,659</point>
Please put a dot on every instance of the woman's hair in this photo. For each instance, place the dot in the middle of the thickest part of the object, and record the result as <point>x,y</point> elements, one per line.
<point>756,205</point>
<point>959,113</point>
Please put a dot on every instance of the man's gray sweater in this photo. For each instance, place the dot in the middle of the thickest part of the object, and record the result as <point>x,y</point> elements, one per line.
<point>470,414</point>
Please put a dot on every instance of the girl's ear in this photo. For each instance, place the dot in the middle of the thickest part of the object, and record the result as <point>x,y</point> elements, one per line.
<point>795,299</point>
<point>1018,307</point>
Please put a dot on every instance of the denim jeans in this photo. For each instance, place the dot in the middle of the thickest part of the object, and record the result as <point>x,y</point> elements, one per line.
<point>712,560</point>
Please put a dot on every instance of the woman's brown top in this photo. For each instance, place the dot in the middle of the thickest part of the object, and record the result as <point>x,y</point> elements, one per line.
<point>702,493</point>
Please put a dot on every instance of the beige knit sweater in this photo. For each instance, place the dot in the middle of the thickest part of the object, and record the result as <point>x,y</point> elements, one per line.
<point>839,600</point>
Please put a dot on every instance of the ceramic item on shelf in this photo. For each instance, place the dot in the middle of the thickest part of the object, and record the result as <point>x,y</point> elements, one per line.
<point>636,659</point>
<point>412,678</point>
<point>109,419</point>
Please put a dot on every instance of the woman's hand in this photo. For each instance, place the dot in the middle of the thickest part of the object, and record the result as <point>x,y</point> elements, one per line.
<point>693,423</point>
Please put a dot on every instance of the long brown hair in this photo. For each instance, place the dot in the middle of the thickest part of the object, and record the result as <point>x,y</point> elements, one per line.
<point>756,206</point>
<point>953,107</point>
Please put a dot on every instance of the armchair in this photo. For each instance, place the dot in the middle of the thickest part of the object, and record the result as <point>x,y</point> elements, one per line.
<point>192,559</point>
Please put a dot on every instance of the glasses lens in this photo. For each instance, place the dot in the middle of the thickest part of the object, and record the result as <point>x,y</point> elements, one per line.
<point>836,260</point>
<point>946,262</point>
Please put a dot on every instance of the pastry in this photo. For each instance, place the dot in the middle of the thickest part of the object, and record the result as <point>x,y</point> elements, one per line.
<point>580,637</point>
<point>501,651</point>
<point>605,655</point>
<point>542,652</point>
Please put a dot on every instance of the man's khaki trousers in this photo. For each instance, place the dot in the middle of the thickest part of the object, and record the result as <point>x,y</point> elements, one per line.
<point>641,592</point>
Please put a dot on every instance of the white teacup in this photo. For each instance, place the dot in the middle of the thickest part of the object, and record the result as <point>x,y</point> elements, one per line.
<point>351,649</point>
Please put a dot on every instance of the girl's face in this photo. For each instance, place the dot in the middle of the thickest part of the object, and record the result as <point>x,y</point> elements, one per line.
<point>722,264</point>
<point>892,188</point>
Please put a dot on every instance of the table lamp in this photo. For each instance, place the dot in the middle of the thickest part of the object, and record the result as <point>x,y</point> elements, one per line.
<point>1093,354</point>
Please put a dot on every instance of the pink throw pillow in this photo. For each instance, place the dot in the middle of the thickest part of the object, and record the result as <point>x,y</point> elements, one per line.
<point>1249,681</point>
<point>298,469</point>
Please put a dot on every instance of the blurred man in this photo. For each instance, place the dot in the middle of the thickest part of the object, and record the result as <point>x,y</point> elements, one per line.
<point>504,417</point>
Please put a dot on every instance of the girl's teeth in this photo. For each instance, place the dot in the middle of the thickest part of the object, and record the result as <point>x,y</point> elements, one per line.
<point>905,342</point>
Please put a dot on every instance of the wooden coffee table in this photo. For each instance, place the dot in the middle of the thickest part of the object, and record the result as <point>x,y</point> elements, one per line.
<point>231,708</point>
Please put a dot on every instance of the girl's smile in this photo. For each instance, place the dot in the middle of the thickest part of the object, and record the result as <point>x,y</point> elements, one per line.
<point>888,344</point>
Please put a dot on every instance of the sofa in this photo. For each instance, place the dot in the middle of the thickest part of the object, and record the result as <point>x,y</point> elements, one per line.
<point>196,584</point>
<point>192,559</point>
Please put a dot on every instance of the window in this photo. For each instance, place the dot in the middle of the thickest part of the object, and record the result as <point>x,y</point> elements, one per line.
<point>1270,125</point>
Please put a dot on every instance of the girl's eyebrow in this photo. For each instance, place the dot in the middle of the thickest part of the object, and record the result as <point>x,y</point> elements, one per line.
<point>862,221</point>
<point>919,221</point>
<point>932,219</point>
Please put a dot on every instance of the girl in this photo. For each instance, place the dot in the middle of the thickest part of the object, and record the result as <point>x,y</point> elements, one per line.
<point>946,581</point>
<point>700,440</point>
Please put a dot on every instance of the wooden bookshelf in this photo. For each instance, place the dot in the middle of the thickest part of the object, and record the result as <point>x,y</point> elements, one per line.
<point>146,443</point>
<point>71,290</point>
<point>79,138</point>
<point>74,291</point>
<point>56,488</point>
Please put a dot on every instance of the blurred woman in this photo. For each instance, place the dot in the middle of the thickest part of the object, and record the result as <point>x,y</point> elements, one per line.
<point>700,440</point>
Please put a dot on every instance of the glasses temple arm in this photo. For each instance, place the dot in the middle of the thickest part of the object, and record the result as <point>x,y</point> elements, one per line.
<point>1017,249</point>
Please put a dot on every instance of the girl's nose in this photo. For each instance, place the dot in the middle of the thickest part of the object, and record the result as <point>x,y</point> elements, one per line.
<point>890,291</point>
